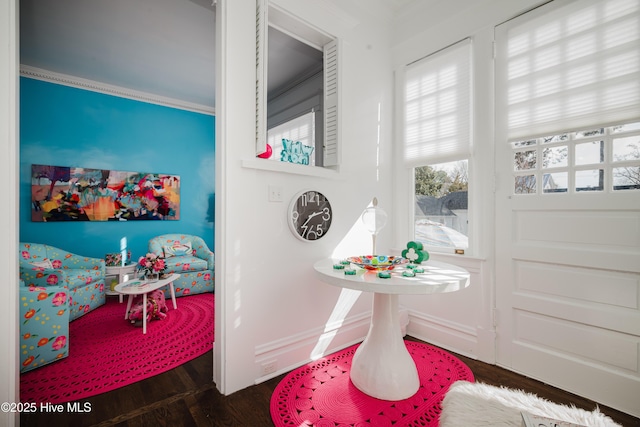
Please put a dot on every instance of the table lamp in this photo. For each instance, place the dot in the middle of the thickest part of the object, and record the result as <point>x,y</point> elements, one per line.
<point>374,220</point>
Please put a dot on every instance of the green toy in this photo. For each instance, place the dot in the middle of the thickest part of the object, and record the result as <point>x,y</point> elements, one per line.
<point>415,253</point>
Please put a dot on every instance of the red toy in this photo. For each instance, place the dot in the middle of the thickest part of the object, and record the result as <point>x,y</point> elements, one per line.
<point>156,307</point>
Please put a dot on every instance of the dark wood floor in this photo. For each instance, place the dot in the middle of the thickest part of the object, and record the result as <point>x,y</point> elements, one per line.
<point>186,397</point>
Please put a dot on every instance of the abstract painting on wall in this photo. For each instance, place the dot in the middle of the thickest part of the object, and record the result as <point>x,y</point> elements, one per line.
<point>60,193</point>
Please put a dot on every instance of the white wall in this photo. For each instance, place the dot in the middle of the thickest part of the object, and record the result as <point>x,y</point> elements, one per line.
<point>9,230</point>
<point>270,307</point>
<point>461,321</point>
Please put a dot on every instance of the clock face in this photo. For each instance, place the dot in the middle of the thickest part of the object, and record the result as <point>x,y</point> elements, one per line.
<point>310,215</point>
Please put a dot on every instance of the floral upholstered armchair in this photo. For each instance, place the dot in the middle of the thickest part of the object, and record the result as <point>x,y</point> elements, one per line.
<point>44,321</point>
<point>82,276</point>
<point>189,256</point>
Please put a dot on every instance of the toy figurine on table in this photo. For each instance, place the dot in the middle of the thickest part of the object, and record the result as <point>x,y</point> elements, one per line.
<point>415,253</point>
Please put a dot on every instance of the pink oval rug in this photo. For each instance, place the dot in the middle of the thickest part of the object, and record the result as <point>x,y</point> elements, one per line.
<point>321,393</point>
<point>108,352</point>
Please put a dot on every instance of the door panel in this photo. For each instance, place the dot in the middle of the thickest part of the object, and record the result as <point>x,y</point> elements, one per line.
<point>568,294</point>
<point>568,289</point>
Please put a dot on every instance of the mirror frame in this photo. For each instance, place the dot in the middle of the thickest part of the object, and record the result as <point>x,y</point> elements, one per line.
<point>270,15</point>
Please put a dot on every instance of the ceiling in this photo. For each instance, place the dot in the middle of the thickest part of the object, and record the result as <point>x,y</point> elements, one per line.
<point>161,47</point>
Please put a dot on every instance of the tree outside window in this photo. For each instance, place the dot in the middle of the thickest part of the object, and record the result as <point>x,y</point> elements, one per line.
<point>441,208</point>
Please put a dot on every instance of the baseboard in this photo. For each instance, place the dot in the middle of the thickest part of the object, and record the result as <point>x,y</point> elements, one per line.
<point>283,355</point>
<point>452,336</point>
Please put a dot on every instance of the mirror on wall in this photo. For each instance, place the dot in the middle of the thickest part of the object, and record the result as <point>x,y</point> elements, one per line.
<point>296,90</point>
<point>294,99</point>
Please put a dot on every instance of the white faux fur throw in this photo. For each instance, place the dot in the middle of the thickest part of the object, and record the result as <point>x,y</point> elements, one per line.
<point>478,404</point>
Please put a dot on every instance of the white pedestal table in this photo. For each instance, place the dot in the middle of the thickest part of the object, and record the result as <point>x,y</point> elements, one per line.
<point>382,366</point>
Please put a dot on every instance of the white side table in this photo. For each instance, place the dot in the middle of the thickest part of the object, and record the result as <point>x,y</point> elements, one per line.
<point>381,366</point>
<point>118,274</point>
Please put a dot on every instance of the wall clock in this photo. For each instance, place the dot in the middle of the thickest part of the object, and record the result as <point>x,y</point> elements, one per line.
<point>310,215</point>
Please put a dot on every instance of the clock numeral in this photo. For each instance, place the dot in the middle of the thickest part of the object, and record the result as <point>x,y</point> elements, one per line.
<point>326,215</point>
<point>310,197</point>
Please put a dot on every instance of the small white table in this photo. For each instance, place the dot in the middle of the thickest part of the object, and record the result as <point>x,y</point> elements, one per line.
<point>119,274</point>
<point>382,367</point>
<point>143,287</point>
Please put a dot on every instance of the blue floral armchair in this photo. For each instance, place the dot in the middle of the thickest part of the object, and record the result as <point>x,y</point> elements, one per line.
<point>82,276</point>
<point>189,256</point>
<point>44,321</point>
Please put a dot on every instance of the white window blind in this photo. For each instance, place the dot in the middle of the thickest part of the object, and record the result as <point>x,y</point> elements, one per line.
<point>569,65</point>
<point>438,107</point>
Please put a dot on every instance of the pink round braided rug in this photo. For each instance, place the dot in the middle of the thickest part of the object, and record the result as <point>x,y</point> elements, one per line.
<point>107,352</point>
<point>321,393</point>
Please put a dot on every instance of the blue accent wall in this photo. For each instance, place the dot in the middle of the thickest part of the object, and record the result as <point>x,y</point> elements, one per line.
<point>66,126</point>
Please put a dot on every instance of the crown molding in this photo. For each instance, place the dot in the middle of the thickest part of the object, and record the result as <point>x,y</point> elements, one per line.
<point>77,82</point>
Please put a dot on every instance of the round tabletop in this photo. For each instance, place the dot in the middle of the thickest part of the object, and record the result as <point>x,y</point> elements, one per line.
<point>438,277</point>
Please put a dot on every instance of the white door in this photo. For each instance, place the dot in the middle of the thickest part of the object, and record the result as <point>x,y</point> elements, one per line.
<point>568,235</point>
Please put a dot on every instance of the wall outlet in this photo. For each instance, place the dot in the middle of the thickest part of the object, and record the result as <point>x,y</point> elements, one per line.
<point>275,193</point>
<point>269,367</point>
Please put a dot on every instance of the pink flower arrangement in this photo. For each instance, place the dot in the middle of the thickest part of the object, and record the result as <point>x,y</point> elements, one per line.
<point>151,263</point>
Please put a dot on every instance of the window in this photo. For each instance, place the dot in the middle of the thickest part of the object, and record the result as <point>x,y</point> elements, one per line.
<point>603,159</point>
<point>573,76</point>
<point>437,144</point>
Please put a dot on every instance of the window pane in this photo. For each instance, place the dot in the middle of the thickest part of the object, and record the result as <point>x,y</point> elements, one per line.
<point>441,208</point>
<point>626,127</point>
<point>524,143</point>
<point>525,184</point>
<point>554,157</point>
<point>557,182</point>
<point>626,178</point>
<point>626,148</point>
<point>589,153</point>
<point>590,180</point>
<point>589,133</point>
<point>524,160</point>
<point>555,138</point>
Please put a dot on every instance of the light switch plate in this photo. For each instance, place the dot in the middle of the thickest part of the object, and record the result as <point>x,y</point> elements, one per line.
<point>275,193</point>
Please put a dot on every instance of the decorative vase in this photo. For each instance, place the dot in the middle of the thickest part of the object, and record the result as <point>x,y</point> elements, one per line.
<point>152,277</point>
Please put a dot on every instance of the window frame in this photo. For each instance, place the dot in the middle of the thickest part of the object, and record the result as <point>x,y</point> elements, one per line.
<point>270,15</point>
<point>463,152</point>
